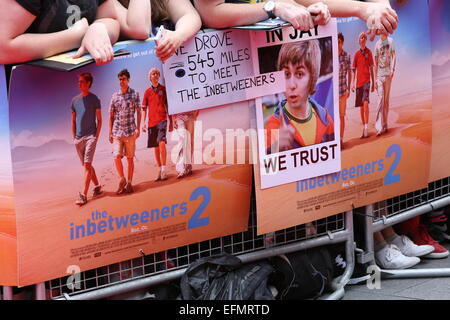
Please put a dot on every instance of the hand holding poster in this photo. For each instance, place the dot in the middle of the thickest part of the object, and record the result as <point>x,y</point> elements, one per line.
<point>215,68</point>
<point>298,133</point>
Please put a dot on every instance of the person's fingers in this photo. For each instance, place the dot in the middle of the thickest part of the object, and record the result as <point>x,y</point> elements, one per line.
<point>393,22</point>
<point>387,25</point>
<point>80,52</point>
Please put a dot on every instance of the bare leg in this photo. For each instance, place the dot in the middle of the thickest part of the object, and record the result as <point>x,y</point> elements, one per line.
<point>119,166</point>
<point>162,152</point>
<point>157,156</point>
<point>130,169</point>
<point>87,177</point>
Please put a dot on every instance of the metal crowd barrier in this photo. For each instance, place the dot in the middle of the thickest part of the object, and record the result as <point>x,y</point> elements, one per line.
<point>389,212</point>
<point>140,274</point>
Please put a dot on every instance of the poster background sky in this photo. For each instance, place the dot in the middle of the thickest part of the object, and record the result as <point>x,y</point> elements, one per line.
<point>440,31</point>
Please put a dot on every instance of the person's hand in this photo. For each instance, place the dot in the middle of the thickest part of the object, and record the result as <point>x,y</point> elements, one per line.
<point>297,15</point>
<point>319,11</point>
<point>353,88</point>
<point>96,41</point>
<point>380,18</point>
<point>144,128</point>
<point>110,138</point>
<point>392,74</point>
<point>286,134</point>
<point>373,87</point>
<point>347,94</point>
<point>167,46</point>
<point>138,133</point>
<point>376,86</point>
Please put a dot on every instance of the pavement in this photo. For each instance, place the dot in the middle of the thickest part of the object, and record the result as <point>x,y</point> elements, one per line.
<point>433,288</point>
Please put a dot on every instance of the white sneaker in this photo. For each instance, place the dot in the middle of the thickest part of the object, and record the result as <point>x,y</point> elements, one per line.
<point>163,175</point>
<point>410,249</point>
<point>390,257</point>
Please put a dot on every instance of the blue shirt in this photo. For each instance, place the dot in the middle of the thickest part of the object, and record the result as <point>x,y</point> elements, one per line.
<point>85,109</point>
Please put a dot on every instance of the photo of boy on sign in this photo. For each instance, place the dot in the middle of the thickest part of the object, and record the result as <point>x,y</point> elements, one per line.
<point>299,120</point>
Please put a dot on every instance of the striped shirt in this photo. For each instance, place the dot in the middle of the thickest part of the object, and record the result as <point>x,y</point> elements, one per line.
<point>344,67</point>
<point>124,106</point>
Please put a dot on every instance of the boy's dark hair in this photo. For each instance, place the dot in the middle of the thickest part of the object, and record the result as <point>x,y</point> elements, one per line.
<point>341,36</point>
<point>87,76</point>
<point>125,73</point>
<point>306,52</point>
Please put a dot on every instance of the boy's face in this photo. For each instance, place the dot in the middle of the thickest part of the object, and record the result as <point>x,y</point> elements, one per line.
<point>83,85</point>
<point>154,77</point>
<point>297,84</point>
<point>340,45</point>
<point>123,82</point>
<point>362,40</point>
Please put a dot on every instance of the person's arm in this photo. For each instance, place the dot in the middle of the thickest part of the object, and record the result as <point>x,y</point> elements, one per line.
<point>372,77</point>
<point>187,24</point>
<point>394,62</point>
<point>74,125</point>
<point>101,35</point>
<point>349,77</point>
<point>98,114</point>
<point>217,14</point>
<point>134,21</point>
<point>377,13</point>
<point>17,46</point>
<point>111,122</point>
<point>354,74</point>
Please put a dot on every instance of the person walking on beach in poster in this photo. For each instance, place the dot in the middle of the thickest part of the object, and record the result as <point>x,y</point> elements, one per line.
<point>345,80</point>
<point>155,101</point>
<point>86,127</point>
<point>363,66</point>
<point>123,129</point>
<point>385,60</point>
<point>299,120</point>
<point>184,124</point>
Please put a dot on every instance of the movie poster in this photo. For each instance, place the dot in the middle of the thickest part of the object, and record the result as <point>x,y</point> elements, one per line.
<point>385,125</point>
<point>216,68</point>
<point>298,133</point>
<point>89,197</point>
<point>8,248</point>
<point>440,47</point>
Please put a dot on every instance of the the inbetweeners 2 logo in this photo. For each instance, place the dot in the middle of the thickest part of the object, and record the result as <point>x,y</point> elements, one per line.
<point>346,175</point>
<point>100,221</point>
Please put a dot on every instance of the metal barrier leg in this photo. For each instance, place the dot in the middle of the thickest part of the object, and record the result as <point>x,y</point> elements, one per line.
<point>40,291</point>
<point>339,284</point>
<point>7,293</point>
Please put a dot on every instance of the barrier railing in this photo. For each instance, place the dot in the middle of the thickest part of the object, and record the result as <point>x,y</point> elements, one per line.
<point>134,276</point>
<point>389,212</point>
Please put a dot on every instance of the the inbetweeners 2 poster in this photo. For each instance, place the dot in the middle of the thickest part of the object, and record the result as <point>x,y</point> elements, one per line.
<point>103,174</point>
<point>385,125</point>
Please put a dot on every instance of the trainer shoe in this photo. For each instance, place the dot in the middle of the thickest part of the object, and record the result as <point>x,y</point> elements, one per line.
<point>158,178</point>
<point>129,188</point>
<point>437,221</point>
<point>409,248</point>
<point>421,237</point>
<point>390,257</point>
<point>97,191</point>
<point>163,175</point>
<point>82,200</point>
<point>122,184</point>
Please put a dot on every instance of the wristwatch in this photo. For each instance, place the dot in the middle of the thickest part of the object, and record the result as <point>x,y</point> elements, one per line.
<point>269,7</point>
